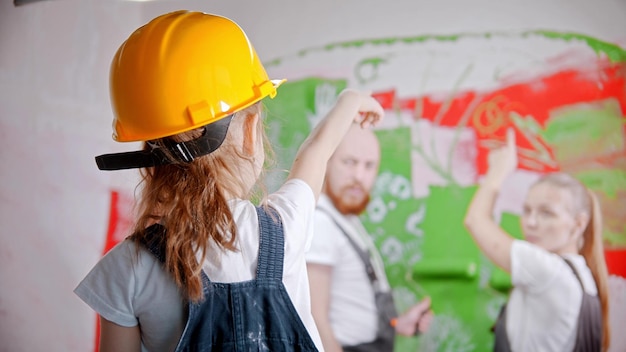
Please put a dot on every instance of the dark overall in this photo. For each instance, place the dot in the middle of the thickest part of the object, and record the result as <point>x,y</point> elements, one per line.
<point>588,331</point>
<point>255,315</point>
<point>385,337</point>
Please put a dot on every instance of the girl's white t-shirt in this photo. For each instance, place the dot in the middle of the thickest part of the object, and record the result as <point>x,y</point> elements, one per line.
<point>129,290</point>
<point>543,308</point>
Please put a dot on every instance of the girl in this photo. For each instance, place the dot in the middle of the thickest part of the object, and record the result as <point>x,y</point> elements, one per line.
<point>206,269</point>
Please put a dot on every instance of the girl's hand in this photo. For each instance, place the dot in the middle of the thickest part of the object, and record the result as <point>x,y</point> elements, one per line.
<point>352,106</point>
<point>370,112</point>
<point>502,161</point>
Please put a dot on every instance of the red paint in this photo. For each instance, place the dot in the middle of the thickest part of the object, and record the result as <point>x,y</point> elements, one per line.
<point>616,261</point>
<point>536,98</point>
<point>119,224</point>
<point>113,222</point>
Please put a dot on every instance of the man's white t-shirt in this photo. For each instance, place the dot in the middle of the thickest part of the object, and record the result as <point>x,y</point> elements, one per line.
<point>353,315</point>
<point>543,308</point>
<point>129,290</point>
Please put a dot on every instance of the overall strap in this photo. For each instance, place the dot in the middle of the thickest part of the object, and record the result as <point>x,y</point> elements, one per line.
<point>363,254</point>
<point>271,244</point>
<point>154,241</point>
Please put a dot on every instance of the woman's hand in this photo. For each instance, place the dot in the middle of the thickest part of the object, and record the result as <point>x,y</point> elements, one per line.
<point>502,161</point>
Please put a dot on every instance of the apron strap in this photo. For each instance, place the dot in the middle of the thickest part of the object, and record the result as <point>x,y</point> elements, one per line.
<point>575,273</point>
<point>501,342</point>
<point>589,327</point>
<point>271,244</point>
<point>363,254</point>
<point>383,300</point>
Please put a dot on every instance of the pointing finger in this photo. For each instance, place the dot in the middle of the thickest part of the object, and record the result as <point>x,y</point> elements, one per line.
<point>510,138</point>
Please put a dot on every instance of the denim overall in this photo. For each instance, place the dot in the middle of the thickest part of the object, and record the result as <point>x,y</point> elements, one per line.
<point>588,331</point>
<point>255,315</point>
<point>385,307</point>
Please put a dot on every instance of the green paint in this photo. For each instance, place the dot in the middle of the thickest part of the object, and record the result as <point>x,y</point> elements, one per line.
<point>501,280</point>
<point>614,52</point>
<point>606,181</point>
<point>526,123</point>
<point>610,184</point>
<point>446,269</point>
<point>585,131</point>
<point>442,261</point>
<point>374,63</point>
<point>425,247</point>
<point>394,159</point>
<point>456,293</point>
<point>616,239</point>
<point>531,130</point>
<point>287,121</point>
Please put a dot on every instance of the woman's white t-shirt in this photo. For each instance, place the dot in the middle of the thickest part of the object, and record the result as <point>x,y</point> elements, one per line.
<point>543,308</point>
<point>128,290</point>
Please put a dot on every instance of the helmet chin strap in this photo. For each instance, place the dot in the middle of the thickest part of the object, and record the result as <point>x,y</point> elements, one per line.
<point>212,138</point>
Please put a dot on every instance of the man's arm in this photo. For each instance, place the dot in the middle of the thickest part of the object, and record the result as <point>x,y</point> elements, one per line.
<point>320,281</point>
<point>414,321</point>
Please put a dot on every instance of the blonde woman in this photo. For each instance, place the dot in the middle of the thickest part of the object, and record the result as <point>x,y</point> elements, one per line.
<point>560,297</point>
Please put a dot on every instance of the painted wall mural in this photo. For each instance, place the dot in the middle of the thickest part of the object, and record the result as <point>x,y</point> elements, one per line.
<point>448,100</point>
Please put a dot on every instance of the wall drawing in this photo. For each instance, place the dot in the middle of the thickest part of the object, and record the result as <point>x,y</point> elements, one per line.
<point>448,100</point>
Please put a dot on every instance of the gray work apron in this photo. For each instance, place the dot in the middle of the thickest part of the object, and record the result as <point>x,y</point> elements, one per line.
<point>385,337</point>
<point>255,315</point>
<point>588,330</point>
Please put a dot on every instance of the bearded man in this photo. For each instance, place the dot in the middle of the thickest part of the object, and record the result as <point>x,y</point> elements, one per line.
<point>351,298</point>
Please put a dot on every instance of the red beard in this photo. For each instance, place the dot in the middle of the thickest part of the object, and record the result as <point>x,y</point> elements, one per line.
<point>347,207</point>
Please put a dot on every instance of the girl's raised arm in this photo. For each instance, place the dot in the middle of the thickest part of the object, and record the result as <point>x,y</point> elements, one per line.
<point>351,107</point>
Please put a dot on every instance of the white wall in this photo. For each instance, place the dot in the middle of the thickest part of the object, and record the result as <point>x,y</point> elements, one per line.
<point>55,117</point>
<point>279,27</point>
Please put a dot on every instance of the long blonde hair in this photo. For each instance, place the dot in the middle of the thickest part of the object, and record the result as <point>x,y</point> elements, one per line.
<point>585,201</point>
<point>188,199</point>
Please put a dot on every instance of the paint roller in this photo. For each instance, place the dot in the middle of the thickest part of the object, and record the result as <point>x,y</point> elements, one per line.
<point>445,269</point>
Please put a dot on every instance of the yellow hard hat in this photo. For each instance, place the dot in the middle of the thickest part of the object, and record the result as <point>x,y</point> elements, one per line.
<point>183,70</point>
